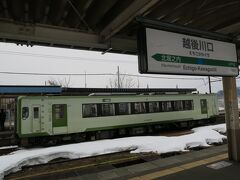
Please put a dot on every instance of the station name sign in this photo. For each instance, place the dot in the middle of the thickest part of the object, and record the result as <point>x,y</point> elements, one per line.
<point>164,52</point>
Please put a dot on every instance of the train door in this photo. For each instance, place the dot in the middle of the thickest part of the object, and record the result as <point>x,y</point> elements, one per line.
<point>59,118</point>
<point>204,106</point>
<point>36,120</point>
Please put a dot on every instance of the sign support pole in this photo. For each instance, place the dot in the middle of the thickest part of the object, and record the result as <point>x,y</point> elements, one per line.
<point>232,118</point>
<point>209,85</point>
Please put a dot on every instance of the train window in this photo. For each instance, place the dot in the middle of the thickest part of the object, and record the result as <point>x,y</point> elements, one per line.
<point>107,109</point>
<point>161,106</point>
<point>187,105</point>
<point>58,110</point>
<point>167,106</point>
<point>89,110</point>
<point>99,110</point>
<point>164,106</point>
<point>178,105</point>
<point>25,113</point>
<point>153,107</point>
<point>138,107</point>
<point>36,112</point>
<point>122,108</point>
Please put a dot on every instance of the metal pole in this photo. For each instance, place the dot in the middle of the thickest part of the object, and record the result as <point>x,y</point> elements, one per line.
<point>209,85</point>
<point>85,79</point>
<point>118,74</point>
<point>138,82</point>
<point>232,117</point>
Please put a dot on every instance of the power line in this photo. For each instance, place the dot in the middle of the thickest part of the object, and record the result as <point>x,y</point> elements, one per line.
<point>162,77</point>
<point>221,79</point>
<point>55,74</point>
<point>92,74</point>
<point>218,80</point>
<point>67,58</point>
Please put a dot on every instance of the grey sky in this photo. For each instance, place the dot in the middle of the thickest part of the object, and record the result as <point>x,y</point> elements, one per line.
<point>58,60</point>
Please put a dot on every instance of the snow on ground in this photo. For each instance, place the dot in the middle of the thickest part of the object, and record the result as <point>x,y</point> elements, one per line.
<point>202,136</point>
<point>8,147</point>
<point>222,108</point>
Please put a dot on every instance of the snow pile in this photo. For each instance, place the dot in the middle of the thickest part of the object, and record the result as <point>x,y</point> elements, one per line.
<point>8,147</point>
<point>202,136</point>
<point>222,108</point>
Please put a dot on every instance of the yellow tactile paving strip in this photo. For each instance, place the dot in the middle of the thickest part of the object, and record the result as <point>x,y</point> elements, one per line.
<point>180,168</point>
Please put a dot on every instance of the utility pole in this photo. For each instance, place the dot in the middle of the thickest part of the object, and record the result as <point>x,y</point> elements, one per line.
<point>118,74</point>
<point>138,82</point>
<point>85,79</point>
<point>209,85</point>
<point>232,117</point>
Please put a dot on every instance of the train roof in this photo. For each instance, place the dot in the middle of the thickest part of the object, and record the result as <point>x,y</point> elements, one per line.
<point>58,90</point>
<point>23,90</point>
<point>124,91</point>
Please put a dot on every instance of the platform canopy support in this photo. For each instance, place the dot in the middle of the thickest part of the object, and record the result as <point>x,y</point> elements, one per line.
<point>232,117</point>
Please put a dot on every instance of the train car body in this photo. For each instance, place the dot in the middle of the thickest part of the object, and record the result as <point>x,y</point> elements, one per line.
<point>63,115</point>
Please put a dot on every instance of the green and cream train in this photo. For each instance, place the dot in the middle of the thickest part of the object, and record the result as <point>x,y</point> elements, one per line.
<point>52,119</point>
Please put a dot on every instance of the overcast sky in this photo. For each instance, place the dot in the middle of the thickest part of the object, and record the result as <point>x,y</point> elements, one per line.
<point>36,59</point>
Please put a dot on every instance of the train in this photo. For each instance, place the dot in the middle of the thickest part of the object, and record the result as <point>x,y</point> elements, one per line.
<point>53,119</point>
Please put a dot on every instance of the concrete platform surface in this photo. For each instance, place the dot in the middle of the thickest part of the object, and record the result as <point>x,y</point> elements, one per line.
<point>208,163</point>
<point>231,172</point>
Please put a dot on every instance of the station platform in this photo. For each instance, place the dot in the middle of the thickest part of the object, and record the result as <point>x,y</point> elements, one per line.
<point>209,163</point>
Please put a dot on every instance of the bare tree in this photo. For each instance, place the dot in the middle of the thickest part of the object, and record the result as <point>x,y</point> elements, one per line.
<point>121,81</point>
<point>60,82</point>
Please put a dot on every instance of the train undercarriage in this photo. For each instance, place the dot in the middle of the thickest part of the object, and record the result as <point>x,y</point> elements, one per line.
<point>112,133</point>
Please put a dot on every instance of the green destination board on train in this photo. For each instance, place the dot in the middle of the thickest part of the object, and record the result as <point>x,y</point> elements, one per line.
<point>174,53</point>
